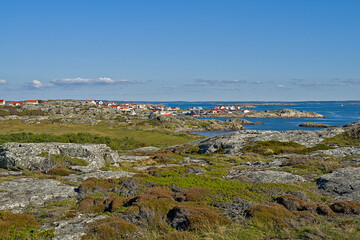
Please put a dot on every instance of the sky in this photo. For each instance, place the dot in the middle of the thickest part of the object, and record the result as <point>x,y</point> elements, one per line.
<point>180,50</point>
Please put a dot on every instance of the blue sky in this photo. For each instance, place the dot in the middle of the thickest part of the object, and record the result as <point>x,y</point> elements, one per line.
<point>161,50</point>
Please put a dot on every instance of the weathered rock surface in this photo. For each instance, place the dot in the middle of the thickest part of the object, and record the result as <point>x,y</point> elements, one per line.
<point>341,151</point>
<point>266,176</point>
<point>74,228</point>
<point>26,155</point>
<point>233,142</point>
<point>98,174</point>
<point>342,184</point>
<point>16,195</point>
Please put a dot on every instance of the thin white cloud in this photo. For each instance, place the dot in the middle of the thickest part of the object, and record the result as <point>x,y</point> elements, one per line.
<point>2,81</point>
<point>36,84</point>
<point>88,81</point>
<point>280,86</point>
<point>210,82</point>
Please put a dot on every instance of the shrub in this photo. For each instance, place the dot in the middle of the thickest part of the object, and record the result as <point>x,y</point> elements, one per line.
<point>274,215</point>
<point>61,172</point>
<point>194,218</point>
<point>346,207</point>
<point>21,226</point>
<point>196,194</point>
<point>90,204</point>
<point>273,147</point>
<point>111,228</point>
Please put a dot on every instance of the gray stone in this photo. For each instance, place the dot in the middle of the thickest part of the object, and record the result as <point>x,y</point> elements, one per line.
<point>98,174</point>
<point>233,142</point>
<point>16,195</point>
<point>340,151</point>
<point>342,184</point>
<point>74,228</point>
<point>26,155</point>
<point>266,176</point>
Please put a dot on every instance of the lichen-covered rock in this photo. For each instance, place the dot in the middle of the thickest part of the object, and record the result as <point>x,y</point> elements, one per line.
<point>16,195</point>
<point>341,151</point>
<point>233,142</point>
<point>31,155</point>
<point>342,184</point>
<point>98,174</point>
<point>74,228</point>
<point>267,176</point>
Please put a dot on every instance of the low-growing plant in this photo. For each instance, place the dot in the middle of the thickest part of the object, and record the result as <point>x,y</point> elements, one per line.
<point>273,147</point>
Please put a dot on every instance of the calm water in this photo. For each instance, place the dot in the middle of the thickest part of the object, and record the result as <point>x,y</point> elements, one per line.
<point>336,114</point>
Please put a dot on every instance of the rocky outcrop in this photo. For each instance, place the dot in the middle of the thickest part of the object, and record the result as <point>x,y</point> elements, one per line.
<point>315,125</point>
<point>18,194</point>
<point>266,176</point>
<point>73,228</point>
<point>233,142</point>
<point>342,184</point>
<point>98,174</point>
<point>341,151</point>
<point>45,156</point>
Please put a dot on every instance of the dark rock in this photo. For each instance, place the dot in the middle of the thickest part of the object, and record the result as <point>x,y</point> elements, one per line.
<point>290,202</point>
<point>324,210</point>
<point>346,207</point>
<point>178,218</point>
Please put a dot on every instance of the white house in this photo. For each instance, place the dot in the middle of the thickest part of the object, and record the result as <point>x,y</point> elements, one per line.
<point>2,102</point>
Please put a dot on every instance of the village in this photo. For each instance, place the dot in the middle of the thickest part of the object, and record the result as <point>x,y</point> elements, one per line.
<point>132,108</point>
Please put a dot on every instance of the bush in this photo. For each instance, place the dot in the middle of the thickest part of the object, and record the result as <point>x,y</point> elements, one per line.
<point>273,147</point>
<point>111,228</point>
<point>61,172</point>
<point>21,226</point>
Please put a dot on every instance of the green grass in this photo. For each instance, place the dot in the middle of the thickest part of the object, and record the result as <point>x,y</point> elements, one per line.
<point>342,140</point>
<point>273,147</point>
<point>225,190</point>
<point>159,137</point>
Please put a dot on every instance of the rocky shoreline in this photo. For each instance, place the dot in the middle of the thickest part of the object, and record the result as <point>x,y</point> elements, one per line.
<point>239,180</point>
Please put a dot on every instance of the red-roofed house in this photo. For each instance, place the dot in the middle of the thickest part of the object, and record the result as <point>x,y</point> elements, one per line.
<point>32,102</point>
<point>14,104</point>
<point>2,102</point>
<point>90,101</point>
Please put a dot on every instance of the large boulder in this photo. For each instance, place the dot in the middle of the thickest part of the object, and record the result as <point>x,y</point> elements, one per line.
<point>45,156</point>
<point>342,184</point>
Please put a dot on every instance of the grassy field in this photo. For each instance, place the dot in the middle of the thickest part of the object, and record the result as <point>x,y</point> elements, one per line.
<point>159,138</point>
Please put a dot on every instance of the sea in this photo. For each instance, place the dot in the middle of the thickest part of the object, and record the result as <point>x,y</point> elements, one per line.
<point>336,113</point>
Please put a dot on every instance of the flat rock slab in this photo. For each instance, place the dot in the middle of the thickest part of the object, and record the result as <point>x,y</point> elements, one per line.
<point>98,174</point>
<point>342,184</point>
<point>341,151</point>
<point>28,155</point>
<point>233,142</point>
<point>267,176</point>
<point>74,228</point>
<point>16,195</point>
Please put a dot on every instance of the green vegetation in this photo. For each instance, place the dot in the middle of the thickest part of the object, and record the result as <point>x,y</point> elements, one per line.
<point>21,226</point>
<point>123,137</point>
<point>63,160</point>
<point>273,147</point>
<point>346,139</point>
<point>220,190</point>
<point>116,144</point>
